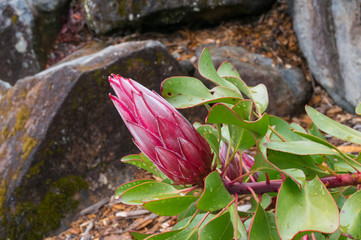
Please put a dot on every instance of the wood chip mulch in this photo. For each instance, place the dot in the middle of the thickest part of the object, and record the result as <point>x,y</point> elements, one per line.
<point>270,35</point>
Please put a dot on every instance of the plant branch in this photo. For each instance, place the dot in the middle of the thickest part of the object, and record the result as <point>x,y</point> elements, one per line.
<point>274,185</point>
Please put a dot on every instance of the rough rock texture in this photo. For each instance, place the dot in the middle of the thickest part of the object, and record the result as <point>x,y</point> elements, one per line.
<point>103,17</point>
<point>27,30</point>
<point>288,89</point>
<point>60,134</point>
<point>329,35</point>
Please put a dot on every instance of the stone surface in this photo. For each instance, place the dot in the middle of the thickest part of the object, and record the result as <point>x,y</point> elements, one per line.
<point>104,17</point>
<point>60,134</point>
<point>329,35</point>
<point>288,89</point>
<point>27,30</point>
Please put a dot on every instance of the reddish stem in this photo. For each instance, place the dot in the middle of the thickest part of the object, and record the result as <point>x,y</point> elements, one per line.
<point>274,185</point>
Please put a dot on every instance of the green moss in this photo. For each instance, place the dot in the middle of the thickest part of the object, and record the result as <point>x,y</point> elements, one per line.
<point>28,145</point>
<point>97,76</point>
<point>37,220</point>
<point>159,58</point>
<point>35,170</point>
<point>2,195</point>
<point>23,94</point>
<point>21,116</point>
<point>14,19</point>
<point>135,63</point>
<point>4,134</point>
<point>122,9</point>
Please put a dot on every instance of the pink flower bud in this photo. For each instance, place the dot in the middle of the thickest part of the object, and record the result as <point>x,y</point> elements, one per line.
<point>234,169</point>
<point>161,132</point>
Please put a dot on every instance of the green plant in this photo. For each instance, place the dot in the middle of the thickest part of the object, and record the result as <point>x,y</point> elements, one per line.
<point>302,187</point>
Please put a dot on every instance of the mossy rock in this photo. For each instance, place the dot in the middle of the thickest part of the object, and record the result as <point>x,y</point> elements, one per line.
<point>61,123</point>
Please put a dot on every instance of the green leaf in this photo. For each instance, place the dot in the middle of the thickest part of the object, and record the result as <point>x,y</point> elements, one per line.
<point>186,234</point>
<point>207,70</point>
<point>266,200</point>
<point>313,130</point>
<point>315,139</point>
<point>284,129</point>
<point>218,228</point>
<point>139,236</point>
<point>210,133</point>
<point>228,70</point>
<point>350,216</point>
<point>169,206</point>
<point>309,209</point>
<point>305,163</point>
<point>141,161</point>
<point>148,191</point>
<point>221,113</point>
<point>163,235</point>
<point>257,94</point>
<point>260,97</point>
<point>188,212</point>
<point>215,196</point>
<point>126,186</point>
<point>184,223</point>
<point>358,109</point>
<point>243,109</point>
<point>337,236</point>
<point>297,127</point>
<point>242,139</point>
<point>185,92</point>
<point>207,128</point>
<point>240,84</point>
<point>301,148</point>
<point>263,226</point>
<point>212,141</point>
<point>297,175</point>
<point>237,222</point>
<point>221,92</point>
<point>332,127</point>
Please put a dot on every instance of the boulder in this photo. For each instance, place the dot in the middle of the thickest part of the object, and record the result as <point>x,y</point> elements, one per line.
<point>329,36</point>
<point>288,89</point>
<point>104,17</point>
<point>60,134</point>
<point>28,30</point>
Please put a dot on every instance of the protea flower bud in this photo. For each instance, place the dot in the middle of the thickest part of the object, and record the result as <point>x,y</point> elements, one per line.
<point>234,169</point>
<point>161,132</point>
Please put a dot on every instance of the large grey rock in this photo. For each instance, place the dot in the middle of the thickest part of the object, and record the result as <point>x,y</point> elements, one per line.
<point>288,89</point>
<point>28,30</point>
<point>103,17</point>
<point>60,133</point>
<point>329,36</point>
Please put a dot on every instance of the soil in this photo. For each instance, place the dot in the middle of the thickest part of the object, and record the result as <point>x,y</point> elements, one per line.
<point>270,34</point>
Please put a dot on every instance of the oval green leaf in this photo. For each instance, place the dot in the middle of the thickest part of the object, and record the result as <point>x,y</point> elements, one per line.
<point>207,70</point>
<point>358,109</point>
<point>227,70</point>
<point>185,92</point>
<point>219,228</point>
<point>126,186</point>
<point>309,209</point>
<point>215,196</point>
<point>141,161</point>
<point>169,206</point>
<point>146,192</point>
<point>350,217</point>
<point>222,114</point>
<point>263,226</point>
